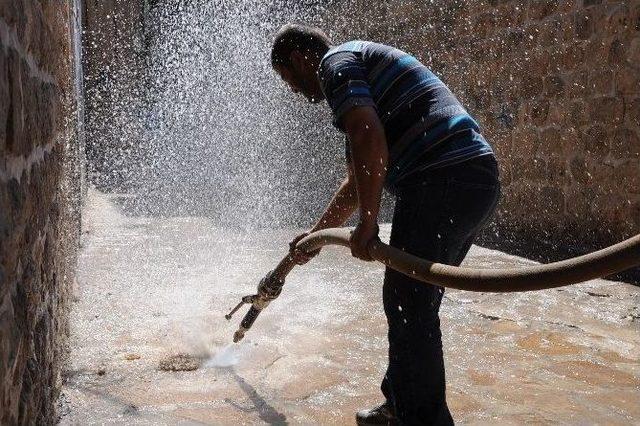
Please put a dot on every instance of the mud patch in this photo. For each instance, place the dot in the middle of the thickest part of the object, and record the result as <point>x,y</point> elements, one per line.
<point>180,362</point>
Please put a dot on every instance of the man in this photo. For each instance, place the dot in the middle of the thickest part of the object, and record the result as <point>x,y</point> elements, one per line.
<point>407,132</point>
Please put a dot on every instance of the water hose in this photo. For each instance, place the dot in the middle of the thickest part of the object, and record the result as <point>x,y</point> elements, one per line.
<point>609,260</point>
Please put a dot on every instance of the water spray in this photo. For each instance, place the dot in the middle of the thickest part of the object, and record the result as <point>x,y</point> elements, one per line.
<point>607,261</point>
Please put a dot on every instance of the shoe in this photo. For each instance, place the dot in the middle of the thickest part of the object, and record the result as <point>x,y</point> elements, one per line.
<point>380,415</point>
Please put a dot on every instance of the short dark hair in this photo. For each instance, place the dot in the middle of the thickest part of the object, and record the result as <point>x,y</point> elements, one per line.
<point>306,39</point>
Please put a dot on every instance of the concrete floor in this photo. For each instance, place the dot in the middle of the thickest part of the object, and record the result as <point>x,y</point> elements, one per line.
<point>151,287</point>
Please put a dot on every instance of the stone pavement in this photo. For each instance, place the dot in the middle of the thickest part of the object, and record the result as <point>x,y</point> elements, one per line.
<point>152,287</point>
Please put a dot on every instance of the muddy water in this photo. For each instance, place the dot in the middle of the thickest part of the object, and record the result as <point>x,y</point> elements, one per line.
<point>149,288</point>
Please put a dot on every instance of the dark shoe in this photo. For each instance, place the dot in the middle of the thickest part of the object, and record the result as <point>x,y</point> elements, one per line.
<point>380,415</point>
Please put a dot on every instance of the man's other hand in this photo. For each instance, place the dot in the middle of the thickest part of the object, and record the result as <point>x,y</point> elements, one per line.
<point>300,257</point>
<point>360,239</point>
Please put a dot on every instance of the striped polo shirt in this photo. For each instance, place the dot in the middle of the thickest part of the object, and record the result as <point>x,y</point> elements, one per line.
<point>425,125</point>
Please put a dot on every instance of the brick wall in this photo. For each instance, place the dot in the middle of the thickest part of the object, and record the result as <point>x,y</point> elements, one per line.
<point>40,193</point>
<point>556,87</point>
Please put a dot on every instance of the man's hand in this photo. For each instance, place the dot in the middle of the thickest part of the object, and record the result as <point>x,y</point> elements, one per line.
<point>360,239</point>
<point>300,257</point>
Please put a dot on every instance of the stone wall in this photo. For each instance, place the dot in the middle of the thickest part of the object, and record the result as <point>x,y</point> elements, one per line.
<point>555,85</point>
<point>40,193</point>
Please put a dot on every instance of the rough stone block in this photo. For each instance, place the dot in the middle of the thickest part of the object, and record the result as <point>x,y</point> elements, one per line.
<point>505,172</point>
<point>540,9</point>
<point>624,144</point>
<point>589,3</point>
<point>617,18</point>
<point>557,113</point>
<point>484,24</point>
<point>532,32</point>
<point>613,211</point>
<point>606,109</point>
<point>524,141</point>
<point>594,139</point>
<point>569,142</point>
<point>553,85</point>
<point>552,200</point>
<point>536,63</point>
<point>13,13</point>
<point>549,145</point>
<point>579,171</point>
<point>583,24</point>
<point>577,114</point>
<point>616,52</point>
<point>634,16</point>
<point>32,313</point>
<point>37,35</point>
<point>566,25</point>
<point>15,133</point>
<point>577,84</point>
<point>628,81</point>
<point>633,57</point>
<point>597,50</point>
<point>539,111</point>
<point>513,38</point>
<point>535,170</point>
<point>510,14</point>
<point>5,95</point>
<point>571,56</point>
<point>632,111</point>
<point>635,213</point>
<point>548,35</point>
<point>601,81</point>
<point>629,171</point>
<point>501,143</point>
<point>481,98</point>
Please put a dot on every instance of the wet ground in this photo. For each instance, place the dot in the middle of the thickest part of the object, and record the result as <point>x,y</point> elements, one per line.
<point>150,288</point>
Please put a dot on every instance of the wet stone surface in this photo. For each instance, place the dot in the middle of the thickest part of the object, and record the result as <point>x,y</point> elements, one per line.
<point>152,288</point>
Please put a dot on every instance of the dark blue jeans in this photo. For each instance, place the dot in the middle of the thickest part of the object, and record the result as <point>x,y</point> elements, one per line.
<point>436,217</point>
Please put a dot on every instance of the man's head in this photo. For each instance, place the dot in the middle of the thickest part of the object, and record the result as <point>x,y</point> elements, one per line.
<point>296,54</point>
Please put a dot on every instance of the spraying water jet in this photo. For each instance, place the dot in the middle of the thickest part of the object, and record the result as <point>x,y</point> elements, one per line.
<point>607,261</point>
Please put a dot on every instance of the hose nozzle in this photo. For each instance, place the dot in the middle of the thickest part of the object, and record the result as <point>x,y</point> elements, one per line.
<point>238,335</point>
<point>269,289</point>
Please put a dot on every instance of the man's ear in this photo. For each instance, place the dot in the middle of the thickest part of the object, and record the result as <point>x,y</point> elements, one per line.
<point>297,59</point>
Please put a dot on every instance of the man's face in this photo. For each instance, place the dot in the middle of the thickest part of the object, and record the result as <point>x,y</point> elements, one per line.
<point>301,78</point>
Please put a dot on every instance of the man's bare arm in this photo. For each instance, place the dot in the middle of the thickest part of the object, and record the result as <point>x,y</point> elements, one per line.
<point>369,154</point>
<point>338,211</point>
<point>341,206</point>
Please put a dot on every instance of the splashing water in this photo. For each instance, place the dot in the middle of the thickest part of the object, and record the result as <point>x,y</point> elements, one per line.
<point>218,133</point>
<point>226,357</point>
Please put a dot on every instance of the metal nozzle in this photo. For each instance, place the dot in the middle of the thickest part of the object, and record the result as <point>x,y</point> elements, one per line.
<point>234,310</point>
<point>246,299</point>
<point>239,334</point>
<point>268,290</point>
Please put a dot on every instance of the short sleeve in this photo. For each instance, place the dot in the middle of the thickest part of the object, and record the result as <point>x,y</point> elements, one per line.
<point>343,78</point>
<point>347,150</point>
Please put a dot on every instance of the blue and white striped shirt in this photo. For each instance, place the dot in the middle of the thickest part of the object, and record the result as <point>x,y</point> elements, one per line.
<point>425,125</point>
